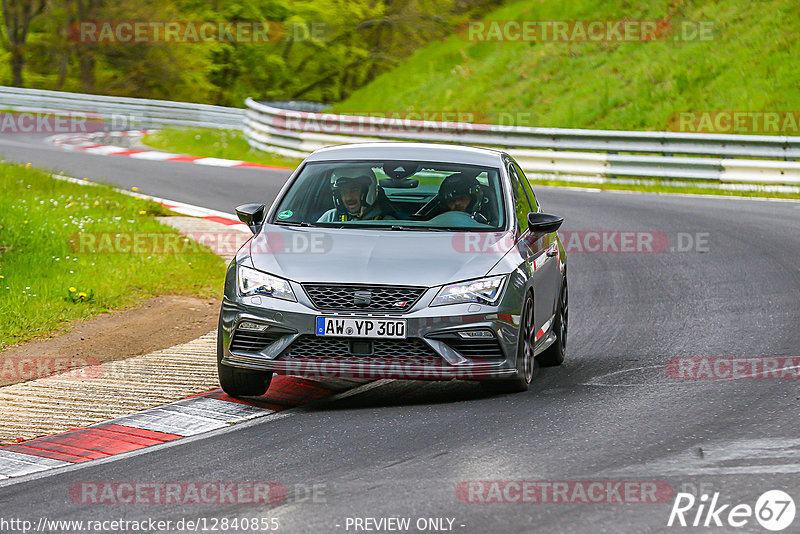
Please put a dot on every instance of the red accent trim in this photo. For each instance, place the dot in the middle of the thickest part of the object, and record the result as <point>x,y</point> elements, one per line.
<point>187,159</point>
<point>127,152</point>
<point>293,391</point>
<point>223,220</point>
<point>139,432</point>
<point>258,403</point>
<point>99,441</point>
<point>42,444</point>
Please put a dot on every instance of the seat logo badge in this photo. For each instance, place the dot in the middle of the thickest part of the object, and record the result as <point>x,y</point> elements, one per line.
<point>362,298</point>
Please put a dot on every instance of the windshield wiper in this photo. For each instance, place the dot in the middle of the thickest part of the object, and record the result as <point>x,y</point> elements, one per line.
<point>304,224</point>
<point>415,228</point>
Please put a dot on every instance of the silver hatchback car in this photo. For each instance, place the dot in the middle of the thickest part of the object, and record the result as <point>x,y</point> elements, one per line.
<point>396,260</point>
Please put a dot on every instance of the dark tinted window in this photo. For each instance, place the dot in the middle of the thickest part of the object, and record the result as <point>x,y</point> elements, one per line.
<point>521,204</point>
<point>527,186</point>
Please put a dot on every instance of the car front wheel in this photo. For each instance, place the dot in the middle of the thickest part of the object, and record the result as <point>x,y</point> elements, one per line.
<point>240,382</point>
<point>527,365</point>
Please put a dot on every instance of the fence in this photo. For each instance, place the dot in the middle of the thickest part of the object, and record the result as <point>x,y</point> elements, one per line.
<point>602,153</point>
<point>131,113</point>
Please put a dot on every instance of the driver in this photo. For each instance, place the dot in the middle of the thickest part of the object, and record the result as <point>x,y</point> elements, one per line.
<point>460,192</point>
<point>353,198</point>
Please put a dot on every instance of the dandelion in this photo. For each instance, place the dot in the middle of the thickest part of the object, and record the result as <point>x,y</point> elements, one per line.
<point>96,203</point>
<point>134,188</point>
<point>72,290</point>
<point>142,212</point>
<point>1,276</point>
<point>28,166</point>
<point>82,295</point>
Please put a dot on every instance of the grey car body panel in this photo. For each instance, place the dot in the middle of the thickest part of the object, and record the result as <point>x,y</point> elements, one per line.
<point>374,256</point>
<point>403,258</point>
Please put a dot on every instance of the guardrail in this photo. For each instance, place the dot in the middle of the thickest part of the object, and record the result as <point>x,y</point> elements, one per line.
<point>601,153</point>
<point>128,113</point>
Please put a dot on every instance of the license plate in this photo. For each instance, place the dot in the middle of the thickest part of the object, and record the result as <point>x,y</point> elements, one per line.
<point>361,327</point>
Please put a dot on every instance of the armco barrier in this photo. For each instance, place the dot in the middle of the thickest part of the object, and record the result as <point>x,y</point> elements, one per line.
<point>602,153</point>
<point>302,128</point>
<point>139,113</point>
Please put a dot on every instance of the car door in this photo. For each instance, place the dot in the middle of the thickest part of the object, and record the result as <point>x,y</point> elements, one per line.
<point>542,257</point>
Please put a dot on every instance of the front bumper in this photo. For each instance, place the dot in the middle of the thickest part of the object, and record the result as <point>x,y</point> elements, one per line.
<point>430,353</point>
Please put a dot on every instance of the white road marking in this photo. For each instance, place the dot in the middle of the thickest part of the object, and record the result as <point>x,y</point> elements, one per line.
<point>224,429</point>
<point>15,463</point>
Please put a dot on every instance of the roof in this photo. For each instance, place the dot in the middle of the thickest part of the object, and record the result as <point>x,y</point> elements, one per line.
<point>409,151</point>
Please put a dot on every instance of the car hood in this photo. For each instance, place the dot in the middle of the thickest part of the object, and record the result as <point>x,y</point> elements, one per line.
<point>375,256</point>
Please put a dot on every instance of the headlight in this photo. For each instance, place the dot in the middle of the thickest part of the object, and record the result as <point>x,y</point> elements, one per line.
<point>252,282</point>
<point>483,291</point>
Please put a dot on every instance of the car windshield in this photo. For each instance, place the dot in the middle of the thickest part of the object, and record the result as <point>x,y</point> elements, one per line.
<point>402,195</point>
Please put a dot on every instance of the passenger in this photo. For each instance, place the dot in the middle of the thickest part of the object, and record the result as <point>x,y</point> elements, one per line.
<point>461,193</point>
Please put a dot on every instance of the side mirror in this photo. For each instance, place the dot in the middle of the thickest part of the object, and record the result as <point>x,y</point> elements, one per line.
<point>544,223</point>
<point>252,215</point>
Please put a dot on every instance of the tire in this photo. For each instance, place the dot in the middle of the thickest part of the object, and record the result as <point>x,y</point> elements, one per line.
<point>527,365</point>
<point>554,355</point>
<point>239,382</point>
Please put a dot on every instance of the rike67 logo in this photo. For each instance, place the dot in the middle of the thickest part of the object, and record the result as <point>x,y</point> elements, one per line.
<point>774,510</point>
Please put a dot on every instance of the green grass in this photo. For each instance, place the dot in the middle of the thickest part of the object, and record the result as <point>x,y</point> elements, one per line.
<point>666,187</point>
<point>751,64</point>
<point>41,223</point>
<point>208,142</point>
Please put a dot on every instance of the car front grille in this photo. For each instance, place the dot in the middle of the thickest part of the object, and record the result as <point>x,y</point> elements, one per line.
<point>365,298</point>
<point>486,349</point>
<point>250,341</point>
<point>388,351</point>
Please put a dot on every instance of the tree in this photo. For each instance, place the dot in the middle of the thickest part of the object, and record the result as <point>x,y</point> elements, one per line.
<point>17,17</point>
<point>79,11</point>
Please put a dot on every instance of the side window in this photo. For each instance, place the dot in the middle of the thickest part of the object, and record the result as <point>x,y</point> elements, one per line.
<point>527,186</point>
<point>521,204</point>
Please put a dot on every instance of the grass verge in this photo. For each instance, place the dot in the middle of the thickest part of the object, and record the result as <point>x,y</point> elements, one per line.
<point>747,63</point>
<point>213,143</point>
<point>666,188</point>
<point>66,254</point>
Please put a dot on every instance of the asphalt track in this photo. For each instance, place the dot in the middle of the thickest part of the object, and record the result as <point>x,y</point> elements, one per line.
<point>610,413</point>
